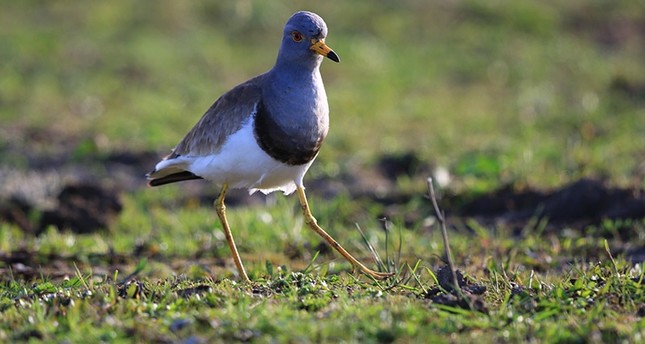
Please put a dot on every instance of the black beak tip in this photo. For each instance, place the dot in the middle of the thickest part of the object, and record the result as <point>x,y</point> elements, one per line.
<point>332,56</point>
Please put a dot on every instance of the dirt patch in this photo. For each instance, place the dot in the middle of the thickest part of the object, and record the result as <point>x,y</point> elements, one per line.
<point>83,208</point>
<point>82,195</point>
<point>82,192</point>
<point>606,25</point>
<point>29,264</point>
<point>580,204</point>
<point>468,295</point>
<point>69,184</point>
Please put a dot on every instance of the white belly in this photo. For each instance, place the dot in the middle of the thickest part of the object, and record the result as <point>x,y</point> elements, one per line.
<point>241,163</point>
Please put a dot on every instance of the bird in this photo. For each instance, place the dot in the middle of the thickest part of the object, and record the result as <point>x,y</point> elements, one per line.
<point>265,133</point>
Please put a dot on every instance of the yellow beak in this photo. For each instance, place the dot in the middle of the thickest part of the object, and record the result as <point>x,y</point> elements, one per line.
<point>319,46</point>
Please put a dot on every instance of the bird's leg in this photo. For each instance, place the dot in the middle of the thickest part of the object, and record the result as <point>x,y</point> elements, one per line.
<point>220,208</point>
<point>313,224</point>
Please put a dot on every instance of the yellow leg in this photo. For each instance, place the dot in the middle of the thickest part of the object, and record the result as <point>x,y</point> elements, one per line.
<point>220,208</point>
<point>313,224</point>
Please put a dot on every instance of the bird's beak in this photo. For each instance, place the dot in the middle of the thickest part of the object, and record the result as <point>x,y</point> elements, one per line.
<point>319,46</point>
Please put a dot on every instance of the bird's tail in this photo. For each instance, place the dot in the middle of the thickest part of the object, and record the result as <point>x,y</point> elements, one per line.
<point>170,170</point>
<point>170,178</point>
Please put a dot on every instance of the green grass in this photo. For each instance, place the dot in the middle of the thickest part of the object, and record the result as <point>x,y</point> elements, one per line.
<point>520,93</point>
<point>529,84</point>
<point>536,290</point>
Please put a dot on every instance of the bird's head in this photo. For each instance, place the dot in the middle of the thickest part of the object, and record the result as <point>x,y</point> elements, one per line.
<point>303,40</point>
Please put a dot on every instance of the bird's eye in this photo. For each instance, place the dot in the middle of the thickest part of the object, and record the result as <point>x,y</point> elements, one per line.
<point>296,36</point>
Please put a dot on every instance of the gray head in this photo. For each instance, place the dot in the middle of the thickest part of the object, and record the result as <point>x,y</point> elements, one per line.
<point>303,40</point>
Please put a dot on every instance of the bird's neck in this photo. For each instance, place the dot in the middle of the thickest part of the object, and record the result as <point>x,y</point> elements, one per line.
<point>294,83</point>
<point>298,96</point>
<point>303,74</point>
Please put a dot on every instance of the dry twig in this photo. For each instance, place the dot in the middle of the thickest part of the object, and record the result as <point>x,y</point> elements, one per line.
<point>444,234</point>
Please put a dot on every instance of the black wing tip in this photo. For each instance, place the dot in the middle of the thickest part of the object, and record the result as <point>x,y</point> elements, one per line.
<point>173,178</point>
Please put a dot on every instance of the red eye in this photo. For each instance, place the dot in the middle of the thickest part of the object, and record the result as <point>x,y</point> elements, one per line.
<point>296,36</point>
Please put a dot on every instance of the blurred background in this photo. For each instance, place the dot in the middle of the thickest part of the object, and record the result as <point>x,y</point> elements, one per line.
<point>529,115</point>
<point>480,94</point>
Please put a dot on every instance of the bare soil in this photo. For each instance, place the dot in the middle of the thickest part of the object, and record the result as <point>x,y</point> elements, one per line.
<point>71,184</point>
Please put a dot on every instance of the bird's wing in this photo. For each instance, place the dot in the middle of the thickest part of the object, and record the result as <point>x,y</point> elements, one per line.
<point>223,118</point>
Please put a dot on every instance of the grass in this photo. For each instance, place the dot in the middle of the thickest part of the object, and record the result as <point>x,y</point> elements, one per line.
<point>533,293</point>
<point>477,79</point>
<point>525,93</point>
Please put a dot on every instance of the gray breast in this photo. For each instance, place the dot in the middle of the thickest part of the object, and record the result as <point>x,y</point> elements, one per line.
<point>285,144</point>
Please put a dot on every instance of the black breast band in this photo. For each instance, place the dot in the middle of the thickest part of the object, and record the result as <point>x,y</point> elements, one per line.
<point>281,145</point>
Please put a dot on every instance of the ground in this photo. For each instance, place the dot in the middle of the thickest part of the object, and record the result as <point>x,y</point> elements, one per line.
<point>527,117</point>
